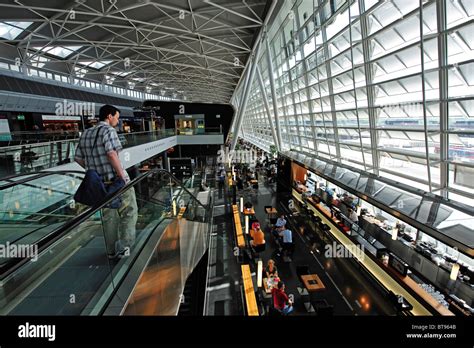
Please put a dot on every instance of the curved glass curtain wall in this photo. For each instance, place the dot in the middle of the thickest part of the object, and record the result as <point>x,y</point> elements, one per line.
<point>383,86</point>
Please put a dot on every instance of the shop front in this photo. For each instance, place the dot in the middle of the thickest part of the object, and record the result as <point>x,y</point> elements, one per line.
<point>62,124</point>
<point>189,124</point>
<point>428,266</point>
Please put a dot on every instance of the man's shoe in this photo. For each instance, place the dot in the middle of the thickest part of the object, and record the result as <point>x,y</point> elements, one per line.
<point>123,253</point>
<point>111,256</point>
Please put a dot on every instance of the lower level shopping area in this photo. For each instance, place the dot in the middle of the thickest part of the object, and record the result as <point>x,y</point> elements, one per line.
<point>278,235</point>
<point>345,242</point>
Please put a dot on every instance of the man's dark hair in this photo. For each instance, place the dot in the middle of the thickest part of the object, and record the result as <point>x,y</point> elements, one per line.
<point>280,284</point>
<point>107,110</point>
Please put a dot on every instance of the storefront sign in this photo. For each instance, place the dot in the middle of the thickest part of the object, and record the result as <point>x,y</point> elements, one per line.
<point>61,118</point>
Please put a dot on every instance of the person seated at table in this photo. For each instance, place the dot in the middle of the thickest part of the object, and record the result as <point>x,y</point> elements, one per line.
<point>257,235</point>
<point>255,227</point>
<point>281,302</point>
<point>271,270</point>
<point>248,206</point>
<point>281,222</point>
<point>279,226</point>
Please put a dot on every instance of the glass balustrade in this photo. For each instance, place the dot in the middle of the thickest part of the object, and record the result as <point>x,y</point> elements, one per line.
<point>61,258</point>
<point>33,157</point>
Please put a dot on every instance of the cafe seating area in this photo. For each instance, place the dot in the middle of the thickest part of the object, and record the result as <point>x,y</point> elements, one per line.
<point>311,290</point>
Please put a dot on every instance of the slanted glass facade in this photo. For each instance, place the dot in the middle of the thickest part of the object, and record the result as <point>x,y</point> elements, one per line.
<point>382,86</point>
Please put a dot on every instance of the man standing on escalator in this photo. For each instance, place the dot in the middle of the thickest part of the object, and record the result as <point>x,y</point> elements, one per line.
<point>98,149</point>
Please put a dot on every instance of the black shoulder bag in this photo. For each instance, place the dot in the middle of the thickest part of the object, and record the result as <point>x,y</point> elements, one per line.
<point>93,190</point>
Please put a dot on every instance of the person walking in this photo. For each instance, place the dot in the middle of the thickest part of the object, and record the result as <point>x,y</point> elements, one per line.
<point>99,149</point>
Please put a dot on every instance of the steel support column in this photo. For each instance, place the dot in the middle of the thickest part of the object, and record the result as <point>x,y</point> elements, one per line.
<point>267,108</point>
<point>443,96</point>
<point>374,143</point>
<point>245,97</point>
<point>331,90</point>
<point>273,90</point>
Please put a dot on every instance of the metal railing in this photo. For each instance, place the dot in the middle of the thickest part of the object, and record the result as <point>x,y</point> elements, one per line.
<point>34,157</point>
<point>75,232</point>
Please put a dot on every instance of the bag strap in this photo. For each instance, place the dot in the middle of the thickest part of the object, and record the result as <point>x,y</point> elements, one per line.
<point>96,136</point>
<point>95,141</point>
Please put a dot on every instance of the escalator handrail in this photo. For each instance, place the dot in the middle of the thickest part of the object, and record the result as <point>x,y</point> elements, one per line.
<point>34,176</point>
<point>56,234</point>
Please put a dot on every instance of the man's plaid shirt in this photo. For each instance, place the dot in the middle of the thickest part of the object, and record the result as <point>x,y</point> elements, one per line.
<point>96,157</point>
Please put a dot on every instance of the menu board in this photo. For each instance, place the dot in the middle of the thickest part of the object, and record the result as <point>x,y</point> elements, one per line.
<point>181,167</point>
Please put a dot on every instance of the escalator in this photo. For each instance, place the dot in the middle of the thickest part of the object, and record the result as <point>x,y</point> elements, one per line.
<point>192,299</point>
<point>56,256</point>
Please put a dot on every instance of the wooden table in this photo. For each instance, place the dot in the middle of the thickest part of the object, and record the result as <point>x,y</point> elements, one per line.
<point>271,211</point>
<point>268,289</point>
<point>250,299</point>
<point>249,212</point>
<point>238,227</point>
<point>312,282</point>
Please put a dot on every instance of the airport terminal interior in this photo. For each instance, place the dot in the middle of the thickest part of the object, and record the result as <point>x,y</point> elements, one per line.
<point>286,157</point>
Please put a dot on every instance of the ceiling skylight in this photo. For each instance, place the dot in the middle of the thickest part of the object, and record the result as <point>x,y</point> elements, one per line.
<point>59,51</point>
<point>80,72</point>
<point>11,30</point>
<point>37,61</point>
<point>98,64</point>
<point>120,74</point>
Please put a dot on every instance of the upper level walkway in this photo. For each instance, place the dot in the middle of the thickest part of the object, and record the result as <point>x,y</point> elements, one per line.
<point>59,154</point>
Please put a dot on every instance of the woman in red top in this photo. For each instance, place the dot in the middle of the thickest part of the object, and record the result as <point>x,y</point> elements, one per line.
<point>281,302</point>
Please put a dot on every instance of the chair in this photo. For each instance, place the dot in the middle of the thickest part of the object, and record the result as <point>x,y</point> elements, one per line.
<point>322,308</point>
<point>302,270</point>
<point>265,210</point>
<point>258,249</point>
<point>273,312</point>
